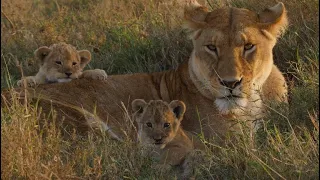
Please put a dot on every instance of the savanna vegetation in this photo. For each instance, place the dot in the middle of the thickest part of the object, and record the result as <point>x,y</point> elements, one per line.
<point>146,36</point>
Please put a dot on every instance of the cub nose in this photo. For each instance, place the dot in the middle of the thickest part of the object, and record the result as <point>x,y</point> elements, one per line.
<point>158,139</point>
<point>68,74</point>
<point>231,84</point>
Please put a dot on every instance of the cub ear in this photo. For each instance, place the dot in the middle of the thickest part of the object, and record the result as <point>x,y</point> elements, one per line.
<point>195,15</point>
<point>178,108</point>
<point>274,19</point>
<point>85,57</point>
<point>41,53</point>
<point>138,106</point>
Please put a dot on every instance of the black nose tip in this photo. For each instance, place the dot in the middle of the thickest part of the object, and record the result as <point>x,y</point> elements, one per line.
<point>231,84</point>
<point>157,140</point>
<point>68,74</point>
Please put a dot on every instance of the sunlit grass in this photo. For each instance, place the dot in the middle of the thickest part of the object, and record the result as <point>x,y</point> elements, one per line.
<point>146,36</point>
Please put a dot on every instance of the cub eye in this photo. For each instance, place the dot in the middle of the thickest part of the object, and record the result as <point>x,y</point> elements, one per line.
<point>149,124</point>
<point>58,62</point>
<point>74,63</point>
<point>248,46</point>
<point>212,47</point>
<point>166,125</point>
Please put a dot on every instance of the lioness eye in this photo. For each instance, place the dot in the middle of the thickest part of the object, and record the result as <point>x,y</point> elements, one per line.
<point>74,63</point>
<point>149,124</point>
<point>248,46</point>
<point>212,47</point>
<point>166,125</point>
<point>58,62</point>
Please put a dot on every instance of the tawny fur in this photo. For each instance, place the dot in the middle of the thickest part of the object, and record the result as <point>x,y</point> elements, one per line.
<point>176,147</point>
<point>197,82</point>
<point>174,144</point>
<point>61,62</point>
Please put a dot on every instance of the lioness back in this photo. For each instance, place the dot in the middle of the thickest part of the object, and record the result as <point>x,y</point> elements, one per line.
<point>61,62</point>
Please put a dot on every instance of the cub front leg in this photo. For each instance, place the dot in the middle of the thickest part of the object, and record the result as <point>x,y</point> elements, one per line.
<point>194,159</point>
<point>98,74</point>
<point>173,156</point>
<point>30,81</point>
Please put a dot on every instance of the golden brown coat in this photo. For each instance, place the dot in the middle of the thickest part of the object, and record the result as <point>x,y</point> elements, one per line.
<point>229,75</point>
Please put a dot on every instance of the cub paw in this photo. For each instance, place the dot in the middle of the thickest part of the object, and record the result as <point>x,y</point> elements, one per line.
<point>161,167</point>
<point>30,81</point>
<point>193,160</point>
<point>97,74</point>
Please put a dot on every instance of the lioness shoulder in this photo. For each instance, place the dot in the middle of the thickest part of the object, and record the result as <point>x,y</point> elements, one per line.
<point>61,62</point>
<point>159,128</point>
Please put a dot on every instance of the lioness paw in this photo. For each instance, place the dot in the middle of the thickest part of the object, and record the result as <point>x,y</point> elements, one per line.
<point>97,74</point>
<point>30,81</point>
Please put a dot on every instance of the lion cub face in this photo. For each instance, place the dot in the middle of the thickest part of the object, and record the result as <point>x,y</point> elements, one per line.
<point>62,62</point>
<point>157,120</point>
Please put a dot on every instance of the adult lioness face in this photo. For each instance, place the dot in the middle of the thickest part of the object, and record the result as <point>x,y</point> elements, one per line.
<point>232,55</point>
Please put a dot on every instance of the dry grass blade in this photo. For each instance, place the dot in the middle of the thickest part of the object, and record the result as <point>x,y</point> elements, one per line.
<point>314,119</point>
<point>4,14</point>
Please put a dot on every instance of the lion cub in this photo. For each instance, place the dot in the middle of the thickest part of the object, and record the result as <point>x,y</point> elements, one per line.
<point>61,62</point>
<point>159,128</point>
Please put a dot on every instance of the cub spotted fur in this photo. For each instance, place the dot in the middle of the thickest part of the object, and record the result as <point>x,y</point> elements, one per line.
<point>61,62</point>
<point>159,128</point>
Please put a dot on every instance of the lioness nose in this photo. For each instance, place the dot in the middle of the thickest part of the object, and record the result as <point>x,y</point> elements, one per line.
<point>68,74</point>
<point>231,84</point>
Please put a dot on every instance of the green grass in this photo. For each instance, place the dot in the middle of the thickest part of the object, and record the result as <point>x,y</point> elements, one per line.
<point>146,36</point>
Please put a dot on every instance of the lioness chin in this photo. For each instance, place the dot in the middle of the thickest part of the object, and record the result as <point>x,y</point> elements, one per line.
<point>61,62</point>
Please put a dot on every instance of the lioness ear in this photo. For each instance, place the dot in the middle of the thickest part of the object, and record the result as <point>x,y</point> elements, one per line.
<point>195,16</point>
<point>138,105</point>
<point>274,19</point>
<point>85,56</point>
<point>178,108</point>
<point>41,53</point>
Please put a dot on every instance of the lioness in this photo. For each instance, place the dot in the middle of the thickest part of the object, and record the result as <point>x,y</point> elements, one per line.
<point>229,76</point>
<point>61,62</point>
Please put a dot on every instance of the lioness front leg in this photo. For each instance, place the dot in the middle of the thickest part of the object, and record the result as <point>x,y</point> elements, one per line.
<point>98,74</point>
<point>30,81</point>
